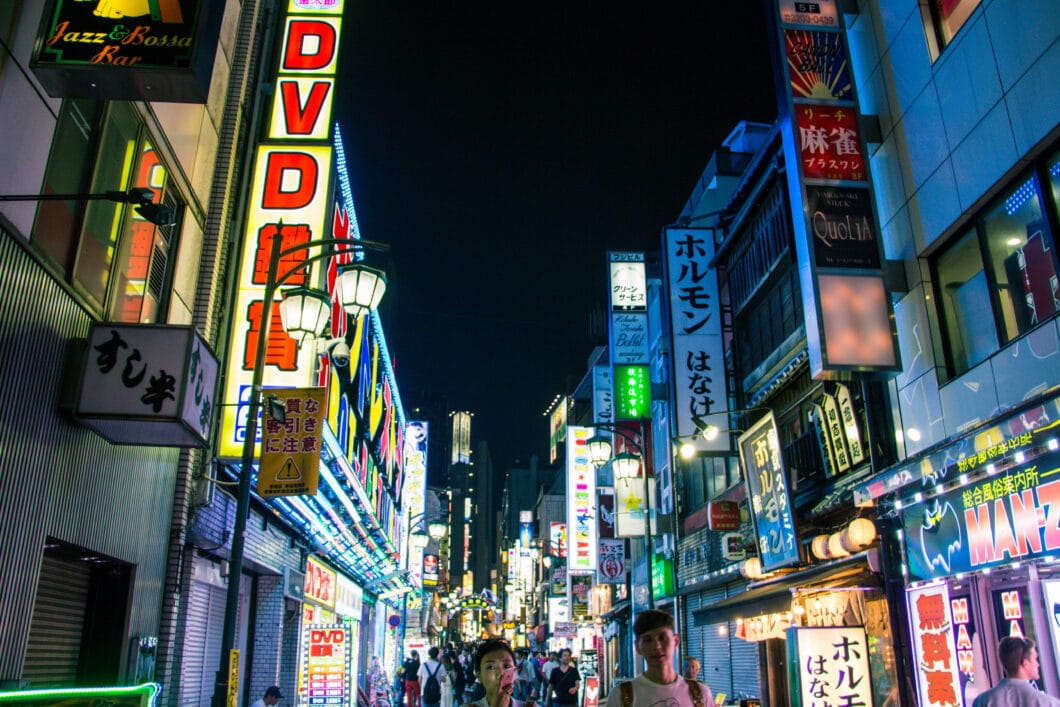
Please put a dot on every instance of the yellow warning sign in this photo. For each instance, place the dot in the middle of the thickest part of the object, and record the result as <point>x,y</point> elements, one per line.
<point>290,448</point>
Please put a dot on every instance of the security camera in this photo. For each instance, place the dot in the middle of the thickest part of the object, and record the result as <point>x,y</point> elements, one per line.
<point>340,354</point>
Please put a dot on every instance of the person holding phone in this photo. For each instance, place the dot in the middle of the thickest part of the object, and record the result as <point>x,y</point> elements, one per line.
<point>495,667</point>
<point>565,681</point>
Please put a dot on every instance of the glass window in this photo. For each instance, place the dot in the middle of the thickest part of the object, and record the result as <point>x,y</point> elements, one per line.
<point>999,281</point>
<point>964,297</point>
<point>943,19</point>
<point>108,250</point>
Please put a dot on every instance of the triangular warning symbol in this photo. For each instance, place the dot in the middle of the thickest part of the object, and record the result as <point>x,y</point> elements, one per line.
<point>289,471</point>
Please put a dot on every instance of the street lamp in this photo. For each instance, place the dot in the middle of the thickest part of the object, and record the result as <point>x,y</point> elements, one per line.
<point>710,432</point>
<point>141,197</point>
<point>626,467</point>
<point>301,310</point>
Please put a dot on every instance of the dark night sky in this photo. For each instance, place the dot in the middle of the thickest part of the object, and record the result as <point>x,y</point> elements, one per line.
<point>502,148</point>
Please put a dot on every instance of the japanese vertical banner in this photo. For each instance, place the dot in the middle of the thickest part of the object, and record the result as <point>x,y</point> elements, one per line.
<point>695,319</point>
<point>290,454</point>
<point>847,305</point>
<point>581,502</point>
<point>829,666</point>
<point>930,629</point>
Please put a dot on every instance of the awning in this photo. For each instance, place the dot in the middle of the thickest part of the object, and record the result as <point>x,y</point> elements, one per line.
<point>618,608</point>
<point>774,595</point>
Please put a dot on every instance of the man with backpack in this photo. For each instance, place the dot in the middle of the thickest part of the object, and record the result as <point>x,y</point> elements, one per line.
<point>432,676</point>
<point>656,642</point>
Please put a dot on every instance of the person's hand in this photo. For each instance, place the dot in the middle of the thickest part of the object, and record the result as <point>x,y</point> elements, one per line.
<point>573,691</point>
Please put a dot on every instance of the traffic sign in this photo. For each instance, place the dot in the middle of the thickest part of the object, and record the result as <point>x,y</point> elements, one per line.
<point>290,449</point>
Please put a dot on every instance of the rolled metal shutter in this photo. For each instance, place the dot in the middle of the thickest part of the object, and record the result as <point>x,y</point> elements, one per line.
<point>202,643</point>
<point>54,645</point>
<point>743,657</point>
<point>715,666</point>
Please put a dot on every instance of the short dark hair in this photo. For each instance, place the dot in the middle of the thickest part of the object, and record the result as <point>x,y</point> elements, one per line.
<point>432,652</point>
<point>651,619</point>
<point>490,645</point>
<point>273,692</point>
<point>1011,651</point>
<point>565,650</point>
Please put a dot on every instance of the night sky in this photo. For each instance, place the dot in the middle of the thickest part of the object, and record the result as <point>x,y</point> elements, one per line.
<point>502,149</point>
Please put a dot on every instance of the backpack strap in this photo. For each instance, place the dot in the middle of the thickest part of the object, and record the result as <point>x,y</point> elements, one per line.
<point>695,691</point>
<point>626,687</point>
<point>435,670</point>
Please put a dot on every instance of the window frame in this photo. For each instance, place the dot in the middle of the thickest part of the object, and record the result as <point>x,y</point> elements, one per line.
<point>1038,175</point>
<point>933,27</point>
<point>65,260</point>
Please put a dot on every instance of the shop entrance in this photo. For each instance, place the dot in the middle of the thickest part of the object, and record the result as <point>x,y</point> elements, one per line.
<point>80,615</point>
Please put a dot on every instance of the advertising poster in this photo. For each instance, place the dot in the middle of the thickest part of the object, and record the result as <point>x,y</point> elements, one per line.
<point>581,589</point>
<point>1051,590</point>
<point>327,665</point>
<point>934,650</point>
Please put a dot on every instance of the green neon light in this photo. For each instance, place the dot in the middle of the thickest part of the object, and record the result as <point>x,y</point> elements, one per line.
<point>148,691</point>
<point>632,400</point>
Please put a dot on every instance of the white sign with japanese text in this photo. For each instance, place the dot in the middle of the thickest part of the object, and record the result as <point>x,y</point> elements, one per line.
<point>154,374</point>
<point>699,353</point>
<point>830,666</point>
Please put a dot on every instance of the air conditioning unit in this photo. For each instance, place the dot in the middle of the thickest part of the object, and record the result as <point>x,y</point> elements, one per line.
<point>293,584</point>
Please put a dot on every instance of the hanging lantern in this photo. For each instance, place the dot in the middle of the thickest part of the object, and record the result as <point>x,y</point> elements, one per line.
<point>835,546</point>
<point>599,449</point>
<point>751,568</point>
<point>304,313</point>
<point>625,466</point>
<point>858,535</point>
<point>819,547</point>
<point>359,288</point>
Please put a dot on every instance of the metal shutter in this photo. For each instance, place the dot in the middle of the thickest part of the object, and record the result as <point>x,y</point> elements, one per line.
<point>54,644</point>
<point>743,656</point>
<point>202,643</point>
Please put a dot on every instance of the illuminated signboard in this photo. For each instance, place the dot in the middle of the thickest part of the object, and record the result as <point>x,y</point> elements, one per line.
<point>849,316</point>
<point>829,665</point>
<point>320,583</point>
<point>414,493</point>
<point>134,696</point>
<point>581,589</point>
<point>327,664</point>
<point>125,50</point>
<point>288,204</point>
<point>290,455</point>
<point>993,521</point>
<point>936,655</point>
<point>632,393</point>
<point>581,502</point>
<point>767,487</point>
<point>695,321</point>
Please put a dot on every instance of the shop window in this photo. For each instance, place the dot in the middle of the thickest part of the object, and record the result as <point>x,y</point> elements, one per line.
<point>107,251</point>
<point>943,19</point>
<point>998,280</point>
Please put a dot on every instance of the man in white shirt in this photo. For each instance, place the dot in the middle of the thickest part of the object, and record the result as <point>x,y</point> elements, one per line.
<point>432,668</point>
<point>272,697</point>
<point>1019,658</point>
<point>656,642</point>
<point>546,673</point>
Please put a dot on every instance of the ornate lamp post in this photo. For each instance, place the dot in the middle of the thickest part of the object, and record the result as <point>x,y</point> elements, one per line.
<point>304,313</point>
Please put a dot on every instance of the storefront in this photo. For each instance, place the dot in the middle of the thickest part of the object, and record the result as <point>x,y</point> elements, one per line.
<point>328,646</point>
<point>979,520</point>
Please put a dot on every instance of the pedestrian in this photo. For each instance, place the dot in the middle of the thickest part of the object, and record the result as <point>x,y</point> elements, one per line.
<point>456,677</point>
<point>691,671</point>
<point>565,681</point>
<point>525,675</point>
<point>410,671</point>
<point>655,641</point>
<point>494,664</point>
<point>272,696</point>
<point>432,679</point>
<point>1019,659</point>
<point>546,675</point>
